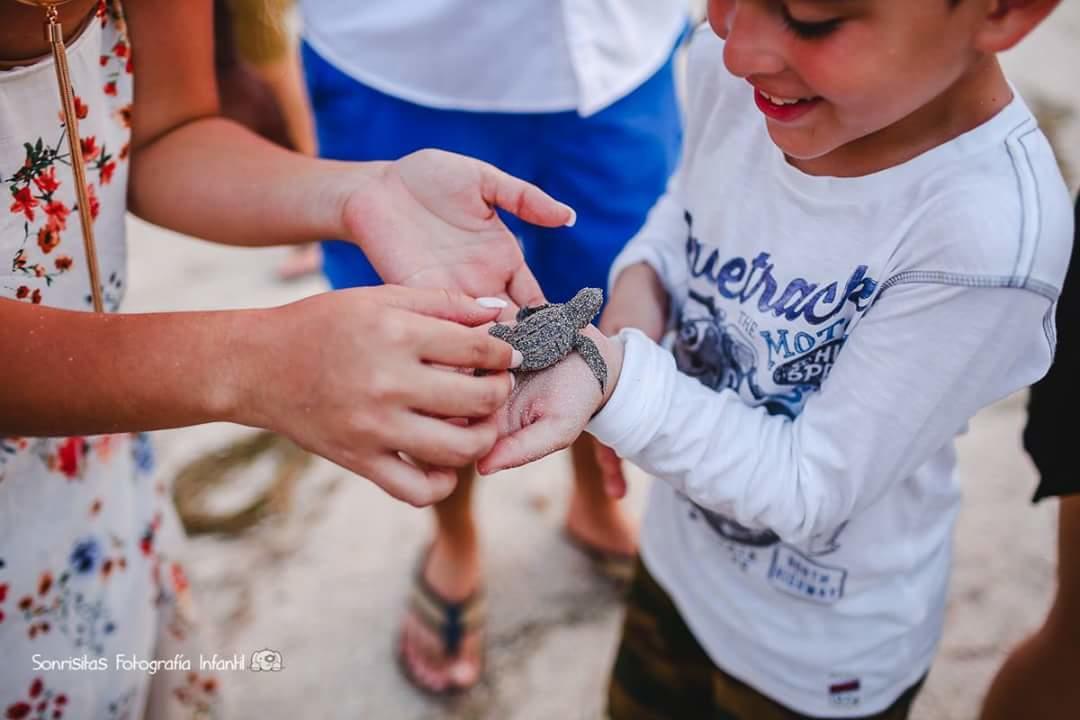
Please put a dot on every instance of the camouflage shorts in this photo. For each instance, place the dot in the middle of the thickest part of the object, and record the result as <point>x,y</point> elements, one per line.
<point>661,671</point>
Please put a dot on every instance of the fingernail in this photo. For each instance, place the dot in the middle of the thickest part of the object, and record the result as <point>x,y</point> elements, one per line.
<point>573,216</point>
<point>513,383</point>
<point>491,302</point>
<point>516,358</point>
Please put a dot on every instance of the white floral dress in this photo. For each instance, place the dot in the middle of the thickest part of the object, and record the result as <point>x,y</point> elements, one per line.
<point>87,541</point>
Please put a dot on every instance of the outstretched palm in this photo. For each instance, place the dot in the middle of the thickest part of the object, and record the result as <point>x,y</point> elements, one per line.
<point>434,224</point>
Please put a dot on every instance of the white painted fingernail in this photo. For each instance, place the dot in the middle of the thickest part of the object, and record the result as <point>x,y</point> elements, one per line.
<point>573,216</point>
<point>492,302</point>
<point>516,358</point>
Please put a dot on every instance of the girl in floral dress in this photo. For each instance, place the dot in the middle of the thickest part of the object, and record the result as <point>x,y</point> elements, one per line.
<point>90,585</point>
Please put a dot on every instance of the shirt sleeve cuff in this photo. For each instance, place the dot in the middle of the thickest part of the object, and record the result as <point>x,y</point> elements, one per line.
<point>633,413</point>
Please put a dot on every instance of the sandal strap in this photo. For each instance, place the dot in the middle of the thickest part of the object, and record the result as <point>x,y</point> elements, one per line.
<point>450,620</point>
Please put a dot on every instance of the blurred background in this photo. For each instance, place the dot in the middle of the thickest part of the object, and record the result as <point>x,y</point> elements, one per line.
<point>295,555</point>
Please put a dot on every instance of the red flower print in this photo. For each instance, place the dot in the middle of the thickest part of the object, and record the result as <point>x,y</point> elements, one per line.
<point>102,11</point>
<point>24,203</point>
<point>44,583</point>
<point>69,454</point>
<point>35,297</point>
<point>63,263</point>
<point>46,181</point>
<point>95,204</point>
<point>110,88</point>
<point>103,60</point>
<point>39,271</point>
<point>107,171</point>
<point>95,508</point>
<point>90,148</point>
<point>17,711</point>
<point>22,293</point>
<point>179,578</point>
<point>36,687</point>
<point>124,115</point>
<point>58,213</point>
<point>124,151</point>
<point>3,592</point>
<point>81,108</point>
<point>19,260</point>
<point>129,67</point>
<point>120,49</point>
<point>48,238</point>
<point>26,603</point>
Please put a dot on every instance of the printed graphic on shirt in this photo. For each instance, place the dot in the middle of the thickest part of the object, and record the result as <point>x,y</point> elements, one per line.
<point>845,691</point>
<point>742,329</point>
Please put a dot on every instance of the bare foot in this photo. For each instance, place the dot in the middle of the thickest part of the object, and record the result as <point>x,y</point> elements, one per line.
<point>452,575</point>
<point>301,261</point>
<point>600,523</point>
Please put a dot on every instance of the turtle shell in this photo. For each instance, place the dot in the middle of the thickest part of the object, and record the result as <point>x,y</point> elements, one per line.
<point>544,338</point>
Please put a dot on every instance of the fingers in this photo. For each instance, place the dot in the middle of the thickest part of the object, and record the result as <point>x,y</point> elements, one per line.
<point>523,199</point>
<point>523,288</point>
<point>439,443</point>
<point>450,394</point>
<point>457,346</point>
<point>442,304</point>
<point>526,445</point>
<point>410,483</point>
<point>611,471</point>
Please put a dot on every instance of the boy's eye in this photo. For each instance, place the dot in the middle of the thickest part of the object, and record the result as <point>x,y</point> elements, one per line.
<point>809,30</point>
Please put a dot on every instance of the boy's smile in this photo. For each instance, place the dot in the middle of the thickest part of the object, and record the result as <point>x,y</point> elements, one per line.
<point>849,87</point>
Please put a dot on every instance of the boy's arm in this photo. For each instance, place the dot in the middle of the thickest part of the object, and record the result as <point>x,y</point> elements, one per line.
<point>921,362</point>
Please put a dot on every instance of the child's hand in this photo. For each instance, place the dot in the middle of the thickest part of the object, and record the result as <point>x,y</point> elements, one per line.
<point>548,410</point>
<point>638,300</point>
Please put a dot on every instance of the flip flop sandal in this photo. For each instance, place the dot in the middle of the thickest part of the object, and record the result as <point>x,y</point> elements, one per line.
<point>615,567</point>
<point>450,621</point>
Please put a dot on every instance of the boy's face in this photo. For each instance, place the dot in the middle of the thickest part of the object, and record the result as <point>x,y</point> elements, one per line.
<point>855,67</point>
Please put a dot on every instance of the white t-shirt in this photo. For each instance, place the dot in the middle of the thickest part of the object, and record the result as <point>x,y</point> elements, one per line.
<point>497,56</point>
<point>834,336</point>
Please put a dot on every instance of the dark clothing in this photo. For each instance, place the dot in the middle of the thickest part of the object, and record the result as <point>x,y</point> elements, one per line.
<point>1051,425</point>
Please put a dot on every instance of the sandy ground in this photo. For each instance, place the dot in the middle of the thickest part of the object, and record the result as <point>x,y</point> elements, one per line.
<point>323,584</point>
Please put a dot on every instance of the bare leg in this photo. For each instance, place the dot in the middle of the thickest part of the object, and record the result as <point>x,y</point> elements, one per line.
<point>593,517</point>
<point>452,569</point>
<point>1038,680</point>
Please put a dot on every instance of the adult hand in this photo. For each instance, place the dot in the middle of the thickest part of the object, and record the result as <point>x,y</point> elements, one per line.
<point>549,409</point>
<point>432,222</point>
<point>361,376</point>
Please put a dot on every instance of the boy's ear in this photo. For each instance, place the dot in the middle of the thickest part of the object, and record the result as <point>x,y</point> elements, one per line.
<point>1007,22</point>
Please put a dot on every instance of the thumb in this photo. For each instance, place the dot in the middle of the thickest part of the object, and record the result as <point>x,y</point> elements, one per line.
<point>442,304</point>
<point>524,446</point>
<point>525,200</point>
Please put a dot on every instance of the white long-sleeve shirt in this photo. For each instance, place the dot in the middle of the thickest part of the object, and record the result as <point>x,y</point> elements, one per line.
<point>497,56</point>
<point>834,336</point>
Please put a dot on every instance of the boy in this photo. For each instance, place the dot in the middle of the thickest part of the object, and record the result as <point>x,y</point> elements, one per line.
<point>862,248</point>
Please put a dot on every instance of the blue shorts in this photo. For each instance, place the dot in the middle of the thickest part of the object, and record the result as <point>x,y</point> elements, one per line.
<point>610,167</point>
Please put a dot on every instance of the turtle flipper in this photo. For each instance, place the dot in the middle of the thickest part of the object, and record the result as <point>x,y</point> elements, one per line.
<point>587,349</point>
<point>527,311</point>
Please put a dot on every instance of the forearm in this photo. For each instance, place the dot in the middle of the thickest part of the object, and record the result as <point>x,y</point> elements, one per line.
<point>213,179</point>
<point>77,373</point>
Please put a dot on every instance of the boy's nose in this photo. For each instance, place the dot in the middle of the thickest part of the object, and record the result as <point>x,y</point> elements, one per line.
<point>753,39</point>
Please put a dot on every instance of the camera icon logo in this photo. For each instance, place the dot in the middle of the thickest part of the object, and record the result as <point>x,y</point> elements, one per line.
<point>266,660</point>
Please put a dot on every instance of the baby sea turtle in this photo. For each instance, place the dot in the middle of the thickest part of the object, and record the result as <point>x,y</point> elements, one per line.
<point>545,334</point>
